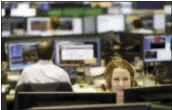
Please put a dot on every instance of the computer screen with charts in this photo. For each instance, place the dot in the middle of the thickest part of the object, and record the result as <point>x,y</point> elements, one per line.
<point>22,54</point>
<point>157,48</point>
<point>77,51</point>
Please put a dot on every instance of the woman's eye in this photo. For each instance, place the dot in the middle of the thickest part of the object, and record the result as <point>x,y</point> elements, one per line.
<point>125,79</point>
<point>116,79</point>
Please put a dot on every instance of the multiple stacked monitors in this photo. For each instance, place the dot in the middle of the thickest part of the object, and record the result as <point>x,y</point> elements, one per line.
<point>157,48</point>
<point>22,54</point>
<point>77,52</point>
<point>110,23</point>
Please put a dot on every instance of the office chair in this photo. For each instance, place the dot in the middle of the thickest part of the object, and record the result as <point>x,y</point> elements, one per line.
<point>58,86</point>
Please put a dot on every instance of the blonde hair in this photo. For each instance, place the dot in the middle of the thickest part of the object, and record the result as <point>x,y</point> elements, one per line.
<point>118,63</point>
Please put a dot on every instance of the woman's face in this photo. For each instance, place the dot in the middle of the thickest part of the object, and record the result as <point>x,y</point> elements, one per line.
<point>121,79</point>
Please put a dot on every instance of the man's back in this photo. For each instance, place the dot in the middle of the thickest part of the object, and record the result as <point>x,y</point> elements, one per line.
<point>44,71</point>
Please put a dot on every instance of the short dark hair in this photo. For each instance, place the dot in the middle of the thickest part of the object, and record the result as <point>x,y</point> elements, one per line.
<point>19,26</point>
<point>55,23</point>
<point>137,23</point>
<point>45,50</point>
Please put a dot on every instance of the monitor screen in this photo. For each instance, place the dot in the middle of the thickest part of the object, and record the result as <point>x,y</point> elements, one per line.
<point>6,28</point>
<point>159,22</point>
<point>147,20</point>
<point>3,12</point>
<point>15,26</point>
<point>17,9</point>
<point>148,94</point>
<point>110,23</point>
<point>89,24</point>
<point>22,54</point>
<point>111,106</point>
<point>70,26</point>
<point>157,48</point>
<point>168,23</point>
<point>77,52</point>
<point>37,25</point>
<point>148,5</point>
<point>44,6</point>
<point>63,99</point>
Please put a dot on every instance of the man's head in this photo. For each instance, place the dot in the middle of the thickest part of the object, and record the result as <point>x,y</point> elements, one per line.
<point>137,24</point>
<point>55,23</point>
<point>45,50</point>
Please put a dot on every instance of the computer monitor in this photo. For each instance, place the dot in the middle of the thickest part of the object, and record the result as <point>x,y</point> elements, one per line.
<point>6,28</point>
<point>110,23</point>
<point>159,22</point>
<point>9,26</point>
<point>43,6</point>
<point>157,48</point>
<point>131,45</point>
<point>77,52</point>
<point>37,25</point>
<point>22,54</point>
<point>3,12</point>
<point>135,106</point>
<point>22,9</point>
<point>158,5</point>
<point>146,18</point>
<point>89,24</point>
<point>168,23</point>
<point>69,26</point>
<point>36,99</point>
<point>148,94</point>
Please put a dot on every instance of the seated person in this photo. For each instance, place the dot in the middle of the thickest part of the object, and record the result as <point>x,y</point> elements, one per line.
<point>19,30</point>
<point>44,71</point>
<point>119,75</point>
<point>53,27</point>
<point>137,27</point>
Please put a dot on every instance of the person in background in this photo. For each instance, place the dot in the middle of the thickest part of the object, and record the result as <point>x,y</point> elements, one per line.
<point>19,30</point>
<point>137,27</point>
<point>119,75</point>
<point>53,27</point>
<point>44,71</point>
<point>138,64</point>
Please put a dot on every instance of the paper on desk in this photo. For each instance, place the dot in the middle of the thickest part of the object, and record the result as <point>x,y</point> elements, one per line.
<point>95,71</point>
<point>13,77</point>
<point>76,88</point>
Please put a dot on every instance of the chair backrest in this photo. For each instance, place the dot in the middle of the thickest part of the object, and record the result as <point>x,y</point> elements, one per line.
<point>30,87</point>
<point>59,86</point>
